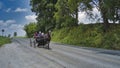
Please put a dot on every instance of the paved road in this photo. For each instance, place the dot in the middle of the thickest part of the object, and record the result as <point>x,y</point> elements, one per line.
<point>20,55</point>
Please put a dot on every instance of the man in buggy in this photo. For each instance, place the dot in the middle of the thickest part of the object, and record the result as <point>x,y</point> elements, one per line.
<point>42,39</point>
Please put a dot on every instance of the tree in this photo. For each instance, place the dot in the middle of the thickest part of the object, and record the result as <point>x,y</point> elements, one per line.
<point>15,34</point>
<point>74,8</point>
<point>109,9</point>
<point>3,31</point>
<point>9,35</point>
<point>64,15</point>
<point>113,10</point>
<point>61,12</point>
<point>30,29</point>
<point>44,10</point>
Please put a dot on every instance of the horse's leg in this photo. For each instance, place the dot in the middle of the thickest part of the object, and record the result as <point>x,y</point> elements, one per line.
<point>48,43</point>
<point>30,42</point>
<point>48,46</point>
<point>38,45</point>
<point>34,43</point>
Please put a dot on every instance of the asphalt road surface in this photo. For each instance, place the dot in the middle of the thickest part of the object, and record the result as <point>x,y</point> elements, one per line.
<point>19,54</point>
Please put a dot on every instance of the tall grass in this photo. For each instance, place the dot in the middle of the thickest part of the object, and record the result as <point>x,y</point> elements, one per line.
<point>90,35</point>
<point>4,40</point>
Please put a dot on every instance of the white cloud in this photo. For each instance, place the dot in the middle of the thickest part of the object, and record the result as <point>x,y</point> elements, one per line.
<point>8,10</point>
<point>10,26</point>
<point>10,21</point>
<point>83,18</point>
<point>17,28</point>
<point>1,21</point>
<point>21,10</point>
<point>6,23</point>
<point>21,32</point>
<point>31,18</point>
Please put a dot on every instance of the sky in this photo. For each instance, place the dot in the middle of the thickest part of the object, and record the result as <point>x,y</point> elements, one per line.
<point>14,14</point>
<point>84,18</point>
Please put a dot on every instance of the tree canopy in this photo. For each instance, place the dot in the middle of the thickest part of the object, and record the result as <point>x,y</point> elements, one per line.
<point>30,29</point>
<point>44,9</point>
<point>64,13</point>
<point>109,9</point>
<point>15,34</point>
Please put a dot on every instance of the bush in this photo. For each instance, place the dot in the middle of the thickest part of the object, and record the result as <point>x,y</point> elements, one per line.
<point>90,35</point>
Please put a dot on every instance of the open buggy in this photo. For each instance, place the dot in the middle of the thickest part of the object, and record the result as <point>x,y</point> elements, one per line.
<point>42,41</point>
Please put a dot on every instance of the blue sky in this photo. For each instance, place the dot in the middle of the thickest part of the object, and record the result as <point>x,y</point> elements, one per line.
<point>14,14</point>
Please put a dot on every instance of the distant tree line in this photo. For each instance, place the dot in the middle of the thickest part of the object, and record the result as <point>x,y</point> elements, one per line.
<point>9,35</point>
<point>56,14</point>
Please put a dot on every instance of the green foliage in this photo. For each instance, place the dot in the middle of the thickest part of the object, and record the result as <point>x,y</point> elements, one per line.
<point>112,38</point>
<point>60,34</point>
<point>69,22</point>
<point>65,16</point>
<point>44,10</point>
<point>9,35</point>
<point>109,10</point>
<point>4,40</point>
<point>15,34</point>
<point>64,13</point>
<point>30,29</point>
<point>89,35</point>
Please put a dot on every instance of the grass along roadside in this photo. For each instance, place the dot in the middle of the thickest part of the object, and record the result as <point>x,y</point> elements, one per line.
<point>4,40</point>
<point>90,35</point>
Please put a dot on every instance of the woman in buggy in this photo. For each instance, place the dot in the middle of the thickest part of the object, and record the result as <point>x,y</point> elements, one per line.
<point>42,39</point>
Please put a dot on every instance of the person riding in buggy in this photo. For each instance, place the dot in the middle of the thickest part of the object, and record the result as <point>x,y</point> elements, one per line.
<point>42,39</point>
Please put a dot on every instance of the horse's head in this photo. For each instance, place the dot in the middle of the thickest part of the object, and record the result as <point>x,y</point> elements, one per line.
<point>47,36</point>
